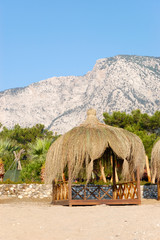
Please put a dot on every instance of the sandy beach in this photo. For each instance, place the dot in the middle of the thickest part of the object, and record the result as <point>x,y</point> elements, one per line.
<point>28,219</point>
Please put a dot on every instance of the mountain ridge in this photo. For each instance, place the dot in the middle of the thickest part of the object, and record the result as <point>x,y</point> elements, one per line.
<point>120,83</point>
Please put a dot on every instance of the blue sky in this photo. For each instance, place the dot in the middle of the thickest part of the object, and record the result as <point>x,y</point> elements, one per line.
<point>45,38</point>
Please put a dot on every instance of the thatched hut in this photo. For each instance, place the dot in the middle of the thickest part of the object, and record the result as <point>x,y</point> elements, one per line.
<point>155,165</point>
<point>82,146</point>
<point>155,161</point>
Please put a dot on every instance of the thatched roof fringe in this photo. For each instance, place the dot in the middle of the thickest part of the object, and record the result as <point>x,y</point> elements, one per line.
<point>125,169</point>
<point>155,160</point>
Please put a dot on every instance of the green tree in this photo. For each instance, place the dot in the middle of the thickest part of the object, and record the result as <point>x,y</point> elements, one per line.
<point>155,122</point>
<point>6,151</point>
<point>37,155</point>
<point>35,141</point>
<point>26,135</point>
<point>31,172</point>
<point>145,126</point>
<point>38,150</point>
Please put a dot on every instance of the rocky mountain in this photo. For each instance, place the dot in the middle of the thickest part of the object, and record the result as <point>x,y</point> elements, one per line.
<point>120,83</point>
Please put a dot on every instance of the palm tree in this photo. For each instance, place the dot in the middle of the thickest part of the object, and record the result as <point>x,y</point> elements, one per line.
<point>35,169</point>
<point>38,150</point>
<point>7,147</point>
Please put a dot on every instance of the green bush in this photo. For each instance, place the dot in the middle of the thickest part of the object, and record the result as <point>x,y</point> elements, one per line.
<point>31,172</point>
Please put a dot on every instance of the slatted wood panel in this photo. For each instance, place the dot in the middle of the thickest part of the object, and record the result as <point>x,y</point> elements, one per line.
<point>126,190</point>
<point>60,191</point>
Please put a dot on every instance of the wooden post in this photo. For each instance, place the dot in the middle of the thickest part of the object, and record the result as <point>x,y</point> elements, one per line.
<point>102,171</point>
<point>69,184</point>
<point>53,192</point>
<point>63,177</point>
<point>111,158</point>
<point>114,177</point>
<point>133,177</point>
<point>138,186</point>
<point>116,169</point>
<point>153,178</point>
<point>148,169</point>
<point>85,192</point>
<point>158,189</point>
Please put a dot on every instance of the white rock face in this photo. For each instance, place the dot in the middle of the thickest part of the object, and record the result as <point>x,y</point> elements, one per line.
<point>121,83</point>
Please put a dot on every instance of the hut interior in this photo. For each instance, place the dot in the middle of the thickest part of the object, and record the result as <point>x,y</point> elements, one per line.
<point>94,148</point>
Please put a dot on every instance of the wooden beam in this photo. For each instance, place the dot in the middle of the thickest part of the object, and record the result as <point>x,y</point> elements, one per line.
<point>114,177</point>
<point>53,192</point>
<point>133,177</point>
<point>138,185</point>
<point>98,202</point>
<point>69,183</point>
<point>116,169</point>
<point>63,177</point>
<point>148,169</point>
<point>107,202</point>
<point>153,178</point>
<point>111,159</point>
<point>61,202</point>
<point>158,189</point>
<point>102,171</point>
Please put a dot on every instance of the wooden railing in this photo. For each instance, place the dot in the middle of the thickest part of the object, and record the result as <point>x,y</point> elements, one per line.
<point>60,191</point>
<point>98,192</point>
<point>126,190</point>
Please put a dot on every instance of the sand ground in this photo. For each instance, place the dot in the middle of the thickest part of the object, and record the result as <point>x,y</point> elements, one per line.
<point>39,220</point>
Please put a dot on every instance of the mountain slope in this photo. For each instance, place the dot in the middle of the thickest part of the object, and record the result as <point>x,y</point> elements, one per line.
<point>118,83</point>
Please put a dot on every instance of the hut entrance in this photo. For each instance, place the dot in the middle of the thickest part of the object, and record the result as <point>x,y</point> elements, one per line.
<point>115,193</point>
<point>83,148</point>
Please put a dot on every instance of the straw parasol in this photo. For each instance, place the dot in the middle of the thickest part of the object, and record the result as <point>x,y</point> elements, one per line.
<point>87,143</point>
<point>155,161</point>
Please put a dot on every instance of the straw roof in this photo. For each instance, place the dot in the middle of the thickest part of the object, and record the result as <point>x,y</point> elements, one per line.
<point>155,160</point>
<point>88,142</point>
